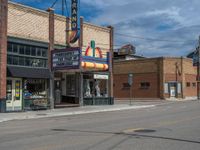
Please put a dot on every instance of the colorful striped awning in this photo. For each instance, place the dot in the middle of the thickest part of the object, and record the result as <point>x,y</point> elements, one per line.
<point>93,65</point>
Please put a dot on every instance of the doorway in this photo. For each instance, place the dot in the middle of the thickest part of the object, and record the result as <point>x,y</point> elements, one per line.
<point>14,94</point>
<point>173,89</point>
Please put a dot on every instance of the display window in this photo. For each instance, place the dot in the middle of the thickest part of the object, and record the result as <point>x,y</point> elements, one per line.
<point>35,93</point>
<point>94,87</point>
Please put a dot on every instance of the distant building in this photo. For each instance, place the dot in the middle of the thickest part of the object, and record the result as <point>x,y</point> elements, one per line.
<point>126,52</point>
<point>155,78</point>
<point>194,55</point>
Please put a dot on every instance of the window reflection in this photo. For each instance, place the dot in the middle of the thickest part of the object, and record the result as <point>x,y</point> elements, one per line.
<point>26,55</point>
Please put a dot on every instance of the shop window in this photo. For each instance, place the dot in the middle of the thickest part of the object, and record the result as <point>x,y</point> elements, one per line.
<point>33,51</point>
<point>21,49</point>
<point>188,84</point>
<point>15,48</point>
<point>126,85</point>
<point>38,52</point>
<point>27,62</point>
<point>15,60</point>
<point>21,61</point>
<point>9,60</point>
<point>35,88</point>
<point>28,50</point>
<point>193,84</point>
<point>23,53</point>
<point>94,86</point>
<point>144,85</point>
<point>44,53</point>
<point>9,90</point>
<point>10,47</point>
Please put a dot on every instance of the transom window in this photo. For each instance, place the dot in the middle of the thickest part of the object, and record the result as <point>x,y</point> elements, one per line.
<point>27,55</point>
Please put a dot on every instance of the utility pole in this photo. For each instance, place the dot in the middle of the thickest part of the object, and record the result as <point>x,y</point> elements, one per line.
<point>198,71</point>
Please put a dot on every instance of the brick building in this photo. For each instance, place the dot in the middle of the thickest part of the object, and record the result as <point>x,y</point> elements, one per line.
<point>27,37</point>
<point>155,78</point>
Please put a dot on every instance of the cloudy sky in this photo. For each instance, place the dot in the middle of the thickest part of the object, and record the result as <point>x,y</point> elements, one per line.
<point>155,27</point>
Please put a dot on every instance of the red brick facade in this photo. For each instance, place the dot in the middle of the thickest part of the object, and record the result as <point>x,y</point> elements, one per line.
<point>3,46</point>
<point>155,78</point>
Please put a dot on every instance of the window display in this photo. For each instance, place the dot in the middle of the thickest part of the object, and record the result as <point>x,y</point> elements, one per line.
<point>35,93</point>
<point>94,87</point>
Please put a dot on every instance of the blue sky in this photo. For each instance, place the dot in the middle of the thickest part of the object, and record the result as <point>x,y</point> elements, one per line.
<point>176,22</point>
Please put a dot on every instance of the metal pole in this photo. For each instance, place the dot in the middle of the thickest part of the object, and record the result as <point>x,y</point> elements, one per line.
<point>131,94</point>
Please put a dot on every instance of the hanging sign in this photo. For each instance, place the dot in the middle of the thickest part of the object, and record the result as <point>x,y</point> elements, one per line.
<point>74,15</point>
<point>75,21</point>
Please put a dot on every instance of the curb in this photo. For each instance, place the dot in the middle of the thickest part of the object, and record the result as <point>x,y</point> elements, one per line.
<point>48,115</point>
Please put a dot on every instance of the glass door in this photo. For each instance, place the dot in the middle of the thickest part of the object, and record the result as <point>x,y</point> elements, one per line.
<point>14,94</point>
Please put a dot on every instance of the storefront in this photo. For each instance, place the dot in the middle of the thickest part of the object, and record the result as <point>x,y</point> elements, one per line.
<point>85,79</point>
<point>27,77</point>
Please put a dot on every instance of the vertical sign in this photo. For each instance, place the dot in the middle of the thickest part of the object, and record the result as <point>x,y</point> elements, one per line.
<point>75,21</point>
<point>75,15</point>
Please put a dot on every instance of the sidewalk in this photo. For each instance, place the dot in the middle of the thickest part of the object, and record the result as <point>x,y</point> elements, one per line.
<point>69,111</point>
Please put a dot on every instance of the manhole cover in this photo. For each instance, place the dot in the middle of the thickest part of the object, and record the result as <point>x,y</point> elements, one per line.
<point>145,131</point>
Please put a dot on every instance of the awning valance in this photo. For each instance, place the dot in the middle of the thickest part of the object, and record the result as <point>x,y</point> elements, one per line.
<point>24,72</point>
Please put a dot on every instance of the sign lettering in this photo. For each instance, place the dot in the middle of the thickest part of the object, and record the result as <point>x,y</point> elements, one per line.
<point>74,14</point>
<point>66,59</point>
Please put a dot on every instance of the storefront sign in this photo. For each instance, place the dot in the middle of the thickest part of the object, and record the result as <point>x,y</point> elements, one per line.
<point>75,21</point>
<point>74,14</point>
<point>66,59</point>
<point>100,76</point>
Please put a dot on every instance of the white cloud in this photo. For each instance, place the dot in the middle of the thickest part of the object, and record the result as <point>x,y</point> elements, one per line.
<point>176,20</point>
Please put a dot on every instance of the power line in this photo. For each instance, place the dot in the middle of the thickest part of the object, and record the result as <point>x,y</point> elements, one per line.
<point>151,39</point>
<point>54,3</point>
<point>67,10</point>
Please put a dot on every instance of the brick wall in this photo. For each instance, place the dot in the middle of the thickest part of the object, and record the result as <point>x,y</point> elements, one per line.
<point>144,70</point>
<point>137,91</point>
<point>135,66</point>
<point>33,24</point>
<point>156,71</point>
<point>3,48</point>
<point>25,22</point>
<point>191,90</point>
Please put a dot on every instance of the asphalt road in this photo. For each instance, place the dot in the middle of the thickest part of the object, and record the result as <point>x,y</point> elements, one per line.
<point>172,126</point>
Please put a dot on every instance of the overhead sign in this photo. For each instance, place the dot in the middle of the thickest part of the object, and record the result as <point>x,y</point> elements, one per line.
<point>66,59</point>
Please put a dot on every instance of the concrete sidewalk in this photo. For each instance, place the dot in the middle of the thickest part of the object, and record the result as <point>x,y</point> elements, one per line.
<point>68,111</point>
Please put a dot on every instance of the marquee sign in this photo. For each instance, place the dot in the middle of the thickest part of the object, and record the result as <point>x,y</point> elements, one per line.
<point>75,21</point>
<point>66,59</point>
